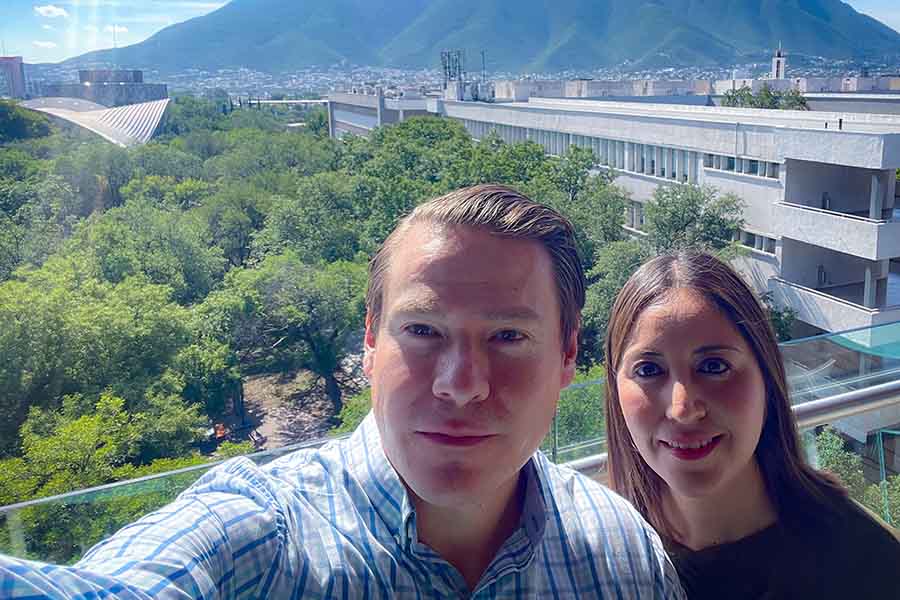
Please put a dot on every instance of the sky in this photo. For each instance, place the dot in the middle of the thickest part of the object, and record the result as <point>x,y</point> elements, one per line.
<point>53,30</point>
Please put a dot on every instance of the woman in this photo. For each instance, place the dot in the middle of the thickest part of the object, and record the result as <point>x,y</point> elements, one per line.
<point>702,441</point>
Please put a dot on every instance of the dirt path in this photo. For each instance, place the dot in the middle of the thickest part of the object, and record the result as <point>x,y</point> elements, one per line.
<point>288,408</point>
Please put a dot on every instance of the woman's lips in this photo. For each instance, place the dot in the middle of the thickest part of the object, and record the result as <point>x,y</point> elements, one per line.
<point>692,450</point>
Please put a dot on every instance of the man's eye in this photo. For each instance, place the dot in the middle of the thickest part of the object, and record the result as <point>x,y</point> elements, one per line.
<point>419,330</point>
<point>510,335</point>
<point>647,370</point>
<point>714,366</point>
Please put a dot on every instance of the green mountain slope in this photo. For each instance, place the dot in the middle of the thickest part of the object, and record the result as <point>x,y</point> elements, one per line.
<point>278,35</point>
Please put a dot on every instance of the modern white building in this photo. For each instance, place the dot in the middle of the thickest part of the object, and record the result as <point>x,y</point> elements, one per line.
<point>819,188</point>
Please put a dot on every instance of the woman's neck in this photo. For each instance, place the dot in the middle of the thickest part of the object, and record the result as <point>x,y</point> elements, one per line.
<point>727,515</point>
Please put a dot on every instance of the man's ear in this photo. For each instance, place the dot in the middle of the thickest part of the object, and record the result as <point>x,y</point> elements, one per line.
<point>369,346</point>
<point>570,358</point>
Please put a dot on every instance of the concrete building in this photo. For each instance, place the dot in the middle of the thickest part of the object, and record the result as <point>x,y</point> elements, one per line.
<point>12,77</point>
<point>361,111</point>
<point>108,87</point>
<point>124,126</point>
<point>819,188</point>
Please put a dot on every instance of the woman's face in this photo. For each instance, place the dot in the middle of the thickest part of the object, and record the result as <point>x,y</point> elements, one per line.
<point>693,397</point>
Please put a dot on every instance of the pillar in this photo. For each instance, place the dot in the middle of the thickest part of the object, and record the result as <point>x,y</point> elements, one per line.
<point>332,131</point>
<point>869,289</point>
<point>875,198</point>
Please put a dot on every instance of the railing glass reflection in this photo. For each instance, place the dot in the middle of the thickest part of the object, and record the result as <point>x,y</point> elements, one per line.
<point>835,381</point>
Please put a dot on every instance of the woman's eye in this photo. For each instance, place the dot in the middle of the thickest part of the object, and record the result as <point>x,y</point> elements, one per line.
<point>714,366</point>
<point>419,330</point>
<point>510,335</point>
<point>647,370</point>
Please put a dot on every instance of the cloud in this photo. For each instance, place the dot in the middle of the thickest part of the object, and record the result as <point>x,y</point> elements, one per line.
<point>115,29</point>
<point>47,27</point>
<point>91,28</point>
<point>46,45</point>
<point>51,12</point>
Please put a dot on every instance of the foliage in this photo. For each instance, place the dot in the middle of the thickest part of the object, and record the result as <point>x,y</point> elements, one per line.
<point>355,409</point>
<point>285,315</point>
<point>766,98</point>
<point>881,498</point>
<point>165,247</point>
<point>690,217</point>
<point>782,319</point>
<point>17,123</point>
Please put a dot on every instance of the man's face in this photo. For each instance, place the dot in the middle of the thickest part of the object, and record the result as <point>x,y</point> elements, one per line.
<point>467,363</point>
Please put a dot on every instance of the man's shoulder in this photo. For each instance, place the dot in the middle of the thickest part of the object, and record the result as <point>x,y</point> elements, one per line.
<point>583,492</point>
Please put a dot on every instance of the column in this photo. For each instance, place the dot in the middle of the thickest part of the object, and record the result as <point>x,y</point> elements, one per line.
<point>875,198</point>
<point>648,159</point>
<point>679,165</point>
<point>332,131</point>
<point>629,156</point>
<point>379,103</point>
<point>693,165</point>
<point>869,289</point>
<point>657,168</point>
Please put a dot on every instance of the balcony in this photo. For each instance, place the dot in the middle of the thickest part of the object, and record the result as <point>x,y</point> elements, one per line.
<point>849,381</point>
<point>850,233</point>
<point>836,308</point>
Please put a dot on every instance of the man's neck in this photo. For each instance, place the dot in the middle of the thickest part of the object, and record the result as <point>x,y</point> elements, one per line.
<point>469,536</point>
<point>724,517</point>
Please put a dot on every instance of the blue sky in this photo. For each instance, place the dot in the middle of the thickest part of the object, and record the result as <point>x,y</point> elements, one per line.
<point>52,30</point>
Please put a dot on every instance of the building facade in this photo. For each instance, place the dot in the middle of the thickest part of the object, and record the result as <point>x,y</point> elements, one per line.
<point>12,77</point>
<point>109,88</point>
<point>821,229</point>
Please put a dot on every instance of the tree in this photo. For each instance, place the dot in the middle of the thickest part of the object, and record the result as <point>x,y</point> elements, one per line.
<point>614,264</point>
<point>683,217</point>
<point>17,123</point>
<point>316,120</point>
<point>766,98</point>
<point>233,215</point>
<point>322,221</point>
<point>166,247</point>
<point>289,315</point>
<point>782,319</point>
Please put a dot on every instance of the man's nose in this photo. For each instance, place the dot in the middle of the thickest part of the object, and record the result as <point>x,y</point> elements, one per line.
<point>462,373</point>
<point>686,405</point>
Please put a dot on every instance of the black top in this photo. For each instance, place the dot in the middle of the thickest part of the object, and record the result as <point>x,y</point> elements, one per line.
<point>852,558</point>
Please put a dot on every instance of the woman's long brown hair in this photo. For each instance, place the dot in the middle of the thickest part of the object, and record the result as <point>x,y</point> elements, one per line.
<point>795,488</point>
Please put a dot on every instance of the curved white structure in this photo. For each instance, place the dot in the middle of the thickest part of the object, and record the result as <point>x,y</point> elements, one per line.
<point>124,126</point>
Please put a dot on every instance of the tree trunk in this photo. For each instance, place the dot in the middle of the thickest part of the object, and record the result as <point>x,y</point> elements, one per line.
<point>334,392</point>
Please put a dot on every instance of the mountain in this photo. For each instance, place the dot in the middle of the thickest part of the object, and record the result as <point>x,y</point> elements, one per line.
<point>525,35</point>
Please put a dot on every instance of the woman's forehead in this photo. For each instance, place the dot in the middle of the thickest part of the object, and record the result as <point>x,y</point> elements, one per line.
<point>682,317</point>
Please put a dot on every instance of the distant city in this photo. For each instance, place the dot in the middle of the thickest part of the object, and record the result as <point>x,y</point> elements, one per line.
<point>314,82</point>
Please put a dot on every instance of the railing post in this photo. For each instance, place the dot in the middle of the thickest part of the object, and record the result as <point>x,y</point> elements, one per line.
<point>16,531</point>
<point>883,483</point>
<point>554,448</point>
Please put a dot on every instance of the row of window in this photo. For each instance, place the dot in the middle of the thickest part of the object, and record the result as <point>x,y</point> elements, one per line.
<point>757,241</point>
<point>747,166</point>
<point>658,161</point>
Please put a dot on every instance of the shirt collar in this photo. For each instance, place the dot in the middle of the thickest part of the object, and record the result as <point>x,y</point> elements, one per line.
<point>372,469</point>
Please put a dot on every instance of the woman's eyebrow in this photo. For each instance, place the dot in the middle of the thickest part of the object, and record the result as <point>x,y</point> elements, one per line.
<point>716,348</point>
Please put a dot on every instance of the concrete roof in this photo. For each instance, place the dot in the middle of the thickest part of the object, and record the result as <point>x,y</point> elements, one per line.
<point>789,119</point>
<point>129,125</point>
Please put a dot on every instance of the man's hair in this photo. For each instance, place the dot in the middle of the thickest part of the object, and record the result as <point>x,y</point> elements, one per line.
<point>504,212</point>
<point>795,489</point>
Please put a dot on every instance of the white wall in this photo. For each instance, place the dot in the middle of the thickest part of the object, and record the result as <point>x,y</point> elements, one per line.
<point>757,193</point>
<point>848,187</point>
<point>800,263</point>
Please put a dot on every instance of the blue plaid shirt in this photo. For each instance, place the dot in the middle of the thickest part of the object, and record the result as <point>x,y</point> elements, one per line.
<point>337,523</point>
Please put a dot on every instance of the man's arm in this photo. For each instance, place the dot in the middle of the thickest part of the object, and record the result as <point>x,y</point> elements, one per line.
<point>220,539</point>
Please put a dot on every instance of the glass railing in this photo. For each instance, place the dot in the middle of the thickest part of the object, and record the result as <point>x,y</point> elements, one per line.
<point>846,394</point>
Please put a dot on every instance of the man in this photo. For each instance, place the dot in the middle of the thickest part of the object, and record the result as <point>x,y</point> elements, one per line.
<point>471,332</point>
